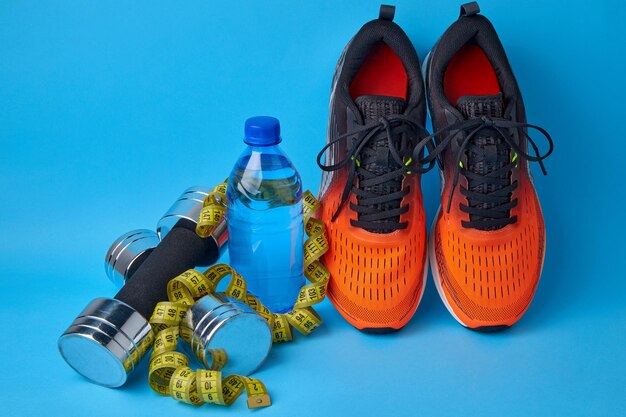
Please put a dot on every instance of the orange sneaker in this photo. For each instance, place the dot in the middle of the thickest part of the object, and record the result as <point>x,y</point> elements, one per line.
<point>372,203</point>
<point>487,244</point>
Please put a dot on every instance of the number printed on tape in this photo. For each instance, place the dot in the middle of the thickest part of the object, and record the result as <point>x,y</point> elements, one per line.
<point>169,373</point>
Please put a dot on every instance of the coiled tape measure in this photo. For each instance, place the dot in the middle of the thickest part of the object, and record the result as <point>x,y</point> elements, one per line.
<point>169,371</point>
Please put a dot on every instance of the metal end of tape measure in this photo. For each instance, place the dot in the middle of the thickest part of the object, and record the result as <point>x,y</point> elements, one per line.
<point>219,323</point>
<point>187,206</point>
<point>127,253</point>
<point>106,341</point>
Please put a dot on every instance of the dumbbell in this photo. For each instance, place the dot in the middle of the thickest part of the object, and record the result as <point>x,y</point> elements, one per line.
<point>108,339</point>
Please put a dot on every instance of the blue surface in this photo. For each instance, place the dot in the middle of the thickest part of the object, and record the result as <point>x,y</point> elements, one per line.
<point>108,110</point>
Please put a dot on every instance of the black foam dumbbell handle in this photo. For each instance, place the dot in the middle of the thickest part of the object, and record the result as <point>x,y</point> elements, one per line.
<point>181,249</point>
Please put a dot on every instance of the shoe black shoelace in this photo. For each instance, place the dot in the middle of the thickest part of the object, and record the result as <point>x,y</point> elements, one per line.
<point>488,210</point>
<point>370,206</point>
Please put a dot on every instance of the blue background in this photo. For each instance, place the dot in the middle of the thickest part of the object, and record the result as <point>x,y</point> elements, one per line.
<point>108,110</point>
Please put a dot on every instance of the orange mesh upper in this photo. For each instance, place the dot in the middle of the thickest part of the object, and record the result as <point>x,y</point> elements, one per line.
<point>376,279</point>
<point>489,277</point>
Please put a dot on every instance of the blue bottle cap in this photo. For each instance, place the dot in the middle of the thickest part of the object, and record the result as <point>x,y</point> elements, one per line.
<point>262,131</point>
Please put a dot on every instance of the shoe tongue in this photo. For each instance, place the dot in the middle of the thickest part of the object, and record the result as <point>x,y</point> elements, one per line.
<point>374,107</point>
<point>375,157</point>
<point>491,152</point>
<point>472,107</point>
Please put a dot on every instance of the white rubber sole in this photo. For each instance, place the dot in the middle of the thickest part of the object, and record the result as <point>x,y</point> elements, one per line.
<point>425,276</point>
<point>431,235</point>
<point>435,269</point>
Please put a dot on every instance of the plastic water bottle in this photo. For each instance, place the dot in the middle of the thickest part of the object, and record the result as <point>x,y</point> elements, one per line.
<point>264,216</point>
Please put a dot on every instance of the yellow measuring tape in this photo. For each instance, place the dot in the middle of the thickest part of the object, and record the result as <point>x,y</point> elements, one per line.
<point>169,372</point>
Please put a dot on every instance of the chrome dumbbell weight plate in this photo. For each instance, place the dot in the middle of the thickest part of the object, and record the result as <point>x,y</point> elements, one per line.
<point>127,253</point>
<point>229,325</point>
<point>187,206</point>
<point>106,341</point>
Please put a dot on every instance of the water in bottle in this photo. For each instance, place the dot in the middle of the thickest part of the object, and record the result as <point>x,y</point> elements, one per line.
<point>265,217</point>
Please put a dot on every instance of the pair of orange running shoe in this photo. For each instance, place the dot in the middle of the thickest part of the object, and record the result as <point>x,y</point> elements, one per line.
<point>487,243</point>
